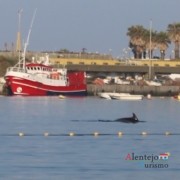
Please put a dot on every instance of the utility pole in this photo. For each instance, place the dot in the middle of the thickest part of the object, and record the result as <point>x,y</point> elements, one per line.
<point>150,50</point>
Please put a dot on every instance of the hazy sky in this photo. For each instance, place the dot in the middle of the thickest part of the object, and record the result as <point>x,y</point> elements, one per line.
<point>97,25</point>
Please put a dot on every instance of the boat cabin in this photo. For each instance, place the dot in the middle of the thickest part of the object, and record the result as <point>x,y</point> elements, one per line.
<point>34,68</point>
<point>46,71</point>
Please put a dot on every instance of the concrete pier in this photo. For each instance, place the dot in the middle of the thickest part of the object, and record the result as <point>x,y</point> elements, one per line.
<point>134,89</point>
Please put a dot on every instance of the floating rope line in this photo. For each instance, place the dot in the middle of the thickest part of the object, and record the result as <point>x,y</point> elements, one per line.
<point>95,134</point>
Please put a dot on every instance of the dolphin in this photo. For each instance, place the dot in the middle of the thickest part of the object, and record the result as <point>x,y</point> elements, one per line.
<point>132,119</point>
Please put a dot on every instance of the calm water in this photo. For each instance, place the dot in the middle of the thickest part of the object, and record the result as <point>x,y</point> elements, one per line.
<point>60,156</point>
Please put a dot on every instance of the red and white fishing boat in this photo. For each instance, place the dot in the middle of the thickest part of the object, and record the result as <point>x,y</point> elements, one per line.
<point>41,79</point>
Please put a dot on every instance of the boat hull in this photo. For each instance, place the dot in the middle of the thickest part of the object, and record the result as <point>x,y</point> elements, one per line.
<point>20,86</point>
<point>120,96</point>
<point>127,97</point>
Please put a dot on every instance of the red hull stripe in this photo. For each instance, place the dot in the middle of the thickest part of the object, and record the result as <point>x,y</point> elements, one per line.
<point>45,89</point>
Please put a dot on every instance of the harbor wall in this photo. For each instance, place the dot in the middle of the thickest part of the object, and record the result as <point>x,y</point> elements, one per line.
<point>134,89</point>
<point>93,89</point>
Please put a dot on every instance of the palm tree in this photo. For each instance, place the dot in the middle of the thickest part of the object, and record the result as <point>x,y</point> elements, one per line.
<point>137,42</point>
<point>174,34</point>
<point>162,40</point>
<point>140,41</point>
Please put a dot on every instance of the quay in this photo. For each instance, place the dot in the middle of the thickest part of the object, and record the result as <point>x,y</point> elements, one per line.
<point>134,89</point>
<point>93,89</point>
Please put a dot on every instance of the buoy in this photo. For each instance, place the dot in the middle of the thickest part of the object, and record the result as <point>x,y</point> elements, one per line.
<point>71,134</point>
<point>120,133</point>
<point>21,134</point>
<point>61,97</point>
<point>144,133</point>
<point>167,133</point>
<point>46,134</point>
<point>149,96</point>
<point>96,134</point>
<point>178,97</point>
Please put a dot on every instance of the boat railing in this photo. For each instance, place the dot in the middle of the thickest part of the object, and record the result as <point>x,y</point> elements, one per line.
<point>16,69</point>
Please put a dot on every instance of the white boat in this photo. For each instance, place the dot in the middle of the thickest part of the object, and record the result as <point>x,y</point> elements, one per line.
<point>121,82</point>
<point>153,83</point>
<point>104,95</point>
<point>127,96</point>
<point>107,95</point>
<point>120,96</point>
<point>174,77</point>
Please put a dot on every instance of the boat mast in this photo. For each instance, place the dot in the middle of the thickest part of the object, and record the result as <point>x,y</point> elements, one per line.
<point>27,41</point>
<point>18,42</point>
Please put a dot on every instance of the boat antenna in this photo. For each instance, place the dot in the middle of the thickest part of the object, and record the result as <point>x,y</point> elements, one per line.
<point>27,40</point>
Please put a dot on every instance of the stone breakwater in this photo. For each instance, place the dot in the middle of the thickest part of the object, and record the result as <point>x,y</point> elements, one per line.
<point>134,89</point>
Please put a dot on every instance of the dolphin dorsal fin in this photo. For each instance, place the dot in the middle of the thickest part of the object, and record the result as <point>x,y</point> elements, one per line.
<point>135,117</point>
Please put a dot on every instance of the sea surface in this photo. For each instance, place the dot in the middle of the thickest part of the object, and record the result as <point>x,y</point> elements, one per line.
<point>47,138</point>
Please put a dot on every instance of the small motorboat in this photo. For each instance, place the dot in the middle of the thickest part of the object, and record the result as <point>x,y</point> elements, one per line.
<point>104,95</point>
<point>127,96</point>
<point>153,83</point>
<point>107,95</point>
